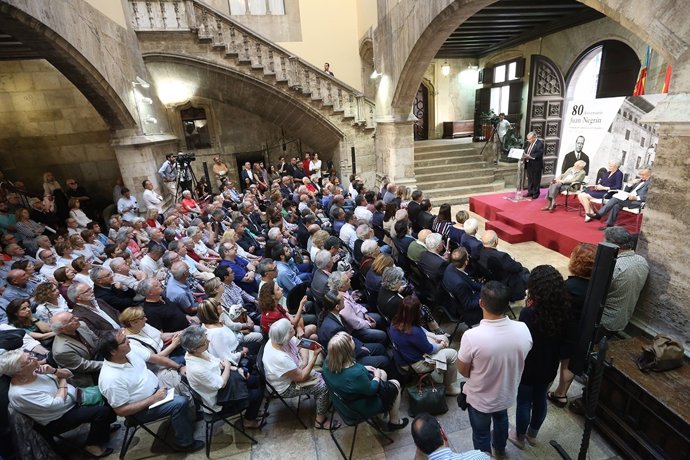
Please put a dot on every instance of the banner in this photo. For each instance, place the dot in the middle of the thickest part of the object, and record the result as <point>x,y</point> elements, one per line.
<point>609,129</point>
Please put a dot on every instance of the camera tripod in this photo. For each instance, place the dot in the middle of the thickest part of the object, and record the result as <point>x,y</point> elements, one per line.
<point>493,137</point>
<point>186,180</point>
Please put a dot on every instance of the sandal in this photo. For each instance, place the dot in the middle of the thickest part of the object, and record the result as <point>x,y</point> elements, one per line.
<point>334,425</point>
<point>559,401</point>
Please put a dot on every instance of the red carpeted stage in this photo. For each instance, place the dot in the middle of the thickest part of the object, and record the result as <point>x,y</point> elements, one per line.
<point>524,221</point>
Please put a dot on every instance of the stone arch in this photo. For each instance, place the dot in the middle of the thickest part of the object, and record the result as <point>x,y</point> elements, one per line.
<point>48,44</point>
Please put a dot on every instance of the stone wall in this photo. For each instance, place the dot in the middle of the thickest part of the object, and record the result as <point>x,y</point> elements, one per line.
<point>48,125</point>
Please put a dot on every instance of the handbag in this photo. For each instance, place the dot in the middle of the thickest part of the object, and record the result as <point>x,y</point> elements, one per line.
<point>665,353</point>
<point>427,398</point>
<point>234,392</point>
<point>89,396</point>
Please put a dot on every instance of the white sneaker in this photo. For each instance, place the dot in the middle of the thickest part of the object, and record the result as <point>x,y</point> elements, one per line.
<point>587,218</point>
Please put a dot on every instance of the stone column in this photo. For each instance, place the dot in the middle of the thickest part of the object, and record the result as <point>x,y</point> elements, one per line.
<point>663,306</point>
<point>395,151</point>
<point>140,156</point>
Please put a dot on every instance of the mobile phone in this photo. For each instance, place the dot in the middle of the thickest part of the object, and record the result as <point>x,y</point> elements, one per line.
<point>309,344</point>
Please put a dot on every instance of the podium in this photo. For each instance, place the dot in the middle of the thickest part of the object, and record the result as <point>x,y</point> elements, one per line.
<point>520,179</point>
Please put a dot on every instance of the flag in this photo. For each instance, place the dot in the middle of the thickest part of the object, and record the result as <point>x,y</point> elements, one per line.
<point>667,80</point>
<point>642,77</point>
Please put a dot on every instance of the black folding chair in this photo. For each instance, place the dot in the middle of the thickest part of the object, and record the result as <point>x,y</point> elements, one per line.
<point>349,420</point>
<point>132,424</point>
<point>295,295</point>
<point>211,417</point>
<point>270,391</point>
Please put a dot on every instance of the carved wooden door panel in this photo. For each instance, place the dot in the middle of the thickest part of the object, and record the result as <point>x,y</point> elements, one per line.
<point>421,111</point>
<point>545,109</point>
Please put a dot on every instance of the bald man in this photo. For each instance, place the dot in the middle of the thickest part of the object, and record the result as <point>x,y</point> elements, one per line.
<point>416,248</point>
<point>499,266</point>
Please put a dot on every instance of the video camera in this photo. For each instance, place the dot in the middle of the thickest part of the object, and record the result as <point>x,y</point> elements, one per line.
<point>184,158</point>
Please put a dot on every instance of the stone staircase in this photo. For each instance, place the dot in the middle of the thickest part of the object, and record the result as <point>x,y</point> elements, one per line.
<point>193,29</point>
<point>452,171</point>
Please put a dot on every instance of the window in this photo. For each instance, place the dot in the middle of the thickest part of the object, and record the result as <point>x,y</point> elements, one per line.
<point>499,98</point>
<point>627,134</point>
<point>642,140</point>
<point>507,72</point>
<point>195,127</point>
<point>624,154</point>
<point>257,7</point>
<point>500,73</point>
<point>637,163</point>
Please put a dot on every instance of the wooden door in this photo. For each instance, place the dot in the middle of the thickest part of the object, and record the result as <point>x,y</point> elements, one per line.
<point>545,109</point>
<point>420,109</point>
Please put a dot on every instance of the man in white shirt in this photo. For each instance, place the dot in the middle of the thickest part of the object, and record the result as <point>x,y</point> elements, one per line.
<point>348,233</point>
<point>130,388</point>
<point>361,211</point>
<point>127,206</point>
<point>492,358</point>
<point>152,199</point>
<point>151,262</point>
<point>49,260</point>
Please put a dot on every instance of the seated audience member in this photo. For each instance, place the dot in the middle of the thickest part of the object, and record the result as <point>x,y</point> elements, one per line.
<point>378,214</point>
<point>469,239</point>
<point>362,391</point>
<point>324,267</point>
<point>125,275</point>
<point>82,267</point>
<point>244,270</point>
<point>456,232</point>
<point>234,316</point>
<point>209,375</point>
<point>130,388</point>
<point>177,291</point>
<point>141,333</point>
<point>289,368</point>
<point>417,247</point>
<point>373,279</point>
<point>499,266</point>
<point>425,218</point>
<point>629,277</point>
<point>28,230</point>
<point>355,315</point>
<point>368,354</point>
<point>431,439</point>
<point>151,263</point>
<point>635,198</point>
<point>442,223</point>
<point>432,261</point>
<point>611,180</point>
<point>76,213</point>
<point>414,208</point>
<point>113,293</point>
<point>127,206</point>
<point>48,301</point>
<point>288,274</point>
<point>547,317</point>
<point>49,259</point>
<point>370,251</point>
<point>413,342</point>
<point>74,348</point>
<point>65,277</point>
<point>97,314</point>
<point>18,285</point>
<point>402,238</point>
<point>20,316</point>
<point>232,293</point>
<point>223,342</point>
<point>465,290</point>
<point>361,212</point>
<point>161,314</point>
<point>271,310</point>
<point>42,393</point>
<point>348,231</point>
<point>571,176</point>
<point>248,242</point>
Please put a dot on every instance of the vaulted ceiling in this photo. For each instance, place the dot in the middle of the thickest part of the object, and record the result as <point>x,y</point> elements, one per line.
<point>512,22</point>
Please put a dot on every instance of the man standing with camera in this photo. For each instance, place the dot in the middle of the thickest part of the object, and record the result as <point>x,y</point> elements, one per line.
<point>168,172</point>
<point>492,358</point>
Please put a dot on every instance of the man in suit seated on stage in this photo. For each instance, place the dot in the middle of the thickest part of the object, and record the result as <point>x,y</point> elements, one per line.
<point>634,196</point>
<point>573,175</point>
<point>431,261</point>
<point>499,266</point>
<point>464,289</point>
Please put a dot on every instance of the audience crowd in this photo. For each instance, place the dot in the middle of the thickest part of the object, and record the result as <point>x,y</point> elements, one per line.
<point>294,284</point>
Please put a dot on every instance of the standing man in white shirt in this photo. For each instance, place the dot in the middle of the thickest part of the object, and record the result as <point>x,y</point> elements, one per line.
<point>127,206</point>
<point>152,199</point>
<point>168,172</point>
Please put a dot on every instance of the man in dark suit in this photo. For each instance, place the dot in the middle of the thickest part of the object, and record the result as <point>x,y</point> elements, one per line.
<point>465,290</point>
<point>499,266</point>
<point>431,261</point>
<point>534,163</point>
<point>319,283</point>
<point>637,195</point>
<point>425,219</point>
<point>414,207</point>
<point>577,154</point>
<point>100,317</point>
<point>247,176</point>
<point>115,295</point>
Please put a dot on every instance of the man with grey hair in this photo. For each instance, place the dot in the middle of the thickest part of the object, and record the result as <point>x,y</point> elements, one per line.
<point>49,260</point>
<point>629,277</point>
<point>416,248</point>
<point>160,313</point>
<point>177,290</point>
<point>97,314</point>
<point>74,348</point>
<point>151,262</point>
<point>433,261</point>
<point>123,274</point>
<point>324,266</point>
<point>633,197</point>
<point>370,249</point>
<point>534,163</point>
<point>574,175</point>
<point>110,291</point>
<point>469,239</point>
<point>499,266</point>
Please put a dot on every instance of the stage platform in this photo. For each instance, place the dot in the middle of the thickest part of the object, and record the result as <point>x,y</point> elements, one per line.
<point>518,222</point>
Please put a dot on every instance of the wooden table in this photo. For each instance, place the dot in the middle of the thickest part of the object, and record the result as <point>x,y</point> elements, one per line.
<point>646,416</point>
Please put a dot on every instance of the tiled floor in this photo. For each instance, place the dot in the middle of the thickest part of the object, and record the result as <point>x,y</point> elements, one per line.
<point>283,438</point>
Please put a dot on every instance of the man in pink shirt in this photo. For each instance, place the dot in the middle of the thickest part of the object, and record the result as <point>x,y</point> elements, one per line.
<point>492,357</point>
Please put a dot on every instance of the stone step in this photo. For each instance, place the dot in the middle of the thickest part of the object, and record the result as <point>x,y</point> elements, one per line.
<point>448,162</point>
<point>445,154</point>
<point>441,147</point>
<point>462,194</point>
<point>461,167</point>
<point>460,177</point>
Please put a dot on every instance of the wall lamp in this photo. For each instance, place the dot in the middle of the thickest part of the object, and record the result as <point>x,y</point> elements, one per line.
<point>146,100</point>
<point>445,69</point>
<point>141,82</point>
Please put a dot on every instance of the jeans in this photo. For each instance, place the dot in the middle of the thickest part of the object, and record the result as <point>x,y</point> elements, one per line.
<point>178,410</point>
<point>531,408</point>
<point>481,429</point>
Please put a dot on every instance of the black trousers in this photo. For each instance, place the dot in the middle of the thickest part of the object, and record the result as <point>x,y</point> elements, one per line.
<point>99,418</point>
<point>533,172</point>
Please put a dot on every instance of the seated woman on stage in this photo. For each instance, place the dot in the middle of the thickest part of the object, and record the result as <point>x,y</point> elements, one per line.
<point>611,181</point>
<point>42,393</point>
<point>362,390</point>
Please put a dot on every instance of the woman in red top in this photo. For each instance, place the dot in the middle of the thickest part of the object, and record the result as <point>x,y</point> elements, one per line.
<point>271,310</point>
<point>189,204</point>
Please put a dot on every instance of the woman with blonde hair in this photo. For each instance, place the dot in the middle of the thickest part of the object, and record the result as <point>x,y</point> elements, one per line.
<point>223,343</point>
<point>317,241</point>
<point>49,301</point>
<point>234,317</point>
<point>142,334</point>
<point>360,390</point>
<point>77,214</point>
<point>373,279</point>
